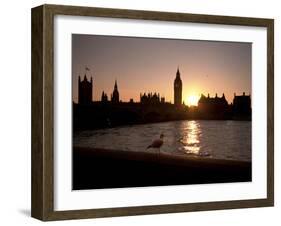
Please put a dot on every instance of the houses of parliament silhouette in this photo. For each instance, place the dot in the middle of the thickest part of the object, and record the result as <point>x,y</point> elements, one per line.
<point>151,108</point>
<point>85,92</point>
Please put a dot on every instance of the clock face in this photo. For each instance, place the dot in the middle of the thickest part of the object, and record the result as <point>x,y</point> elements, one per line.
<point>177,85</point>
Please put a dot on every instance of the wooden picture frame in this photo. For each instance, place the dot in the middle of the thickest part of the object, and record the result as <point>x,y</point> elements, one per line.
<point>42,205</point>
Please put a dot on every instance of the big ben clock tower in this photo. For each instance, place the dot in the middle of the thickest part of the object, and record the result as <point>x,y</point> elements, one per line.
<point>178,89</point>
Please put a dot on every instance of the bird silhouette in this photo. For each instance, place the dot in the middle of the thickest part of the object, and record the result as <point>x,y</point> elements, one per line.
<point>157,143</point>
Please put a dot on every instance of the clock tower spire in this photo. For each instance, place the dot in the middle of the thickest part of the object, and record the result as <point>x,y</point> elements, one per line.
<point>178,89</point>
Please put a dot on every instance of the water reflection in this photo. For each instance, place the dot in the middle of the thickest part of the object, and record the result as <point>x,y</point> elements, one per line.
<point>191,138</point>
<point>212,139</point>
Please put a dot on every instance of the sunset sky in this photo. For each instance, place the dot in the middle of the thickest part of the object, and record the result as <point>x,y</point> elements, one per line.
<point>149,65</point>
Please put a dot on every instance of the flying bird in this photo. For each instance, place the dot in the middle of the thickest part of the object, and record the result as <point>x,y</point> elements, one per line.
<point>157,143</point>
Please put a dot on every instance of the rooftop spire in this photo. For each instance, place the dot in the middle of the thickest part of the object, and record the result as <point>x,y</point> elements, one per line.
<point>178,72</point>
<point>115,85</point>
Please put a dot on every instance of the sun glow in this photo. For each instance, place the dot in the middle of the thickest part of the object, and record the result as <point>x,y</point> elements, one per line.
<point>192,100</point>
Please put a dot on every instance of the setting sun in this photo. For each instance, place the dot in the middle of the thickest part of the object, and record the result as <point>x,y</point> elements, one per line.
<point>192,100</point>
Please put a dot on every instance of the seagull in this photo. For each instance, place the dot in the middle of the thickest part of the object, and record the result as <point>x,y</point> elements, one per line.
<point>157,143</point>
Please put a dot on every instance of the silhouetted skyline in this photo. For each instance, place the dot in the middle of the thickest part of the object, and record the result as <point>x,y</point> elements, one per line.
<point>148,64</point>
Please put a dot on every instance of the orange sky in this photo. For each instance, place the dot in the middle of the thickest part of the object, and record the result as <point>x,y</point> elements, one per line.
<point>147,64</point>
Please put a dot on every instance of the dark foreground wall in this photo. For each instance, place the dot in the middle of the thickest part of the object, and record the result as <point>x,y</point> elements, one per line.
<point>95,168</point>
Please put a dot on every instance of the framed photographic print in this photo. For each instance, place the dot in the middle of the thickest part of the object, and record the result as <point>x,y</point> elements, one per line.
<point>141,112</point>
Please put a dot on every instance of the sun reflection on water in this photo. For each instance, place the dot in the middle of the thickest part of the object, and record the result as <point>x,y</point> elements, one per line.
<point>191,138</point>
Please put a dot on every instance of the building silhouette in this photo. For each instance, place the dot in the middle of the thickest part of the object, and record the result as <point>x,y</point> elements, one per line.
<point>178,89</point>
<point>104,97</point>
<point>212,105</point>
<point>151,107</point>
<point>151,98</point>
<point>242,104</point>
<point>85,90</point>
<point>115,94</point>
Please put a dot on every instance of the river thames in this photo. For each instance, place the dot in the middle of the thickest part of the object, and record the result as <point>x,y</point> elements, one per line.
<point>230,140</point>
